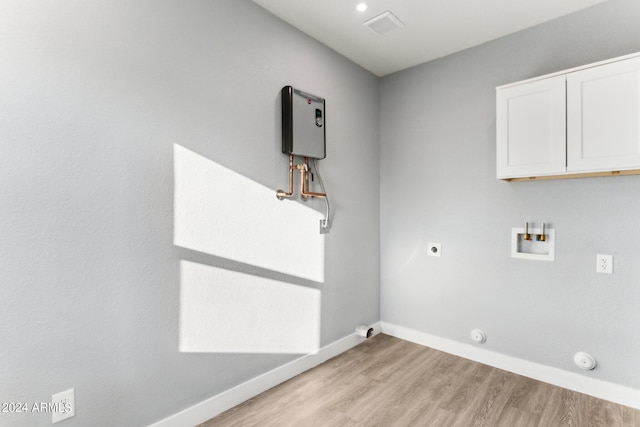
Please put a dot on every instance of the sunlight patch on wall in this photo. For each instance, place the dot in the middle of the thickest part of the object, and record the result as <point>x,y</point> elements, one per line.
<point>222,213</point>
<point>229,312</point>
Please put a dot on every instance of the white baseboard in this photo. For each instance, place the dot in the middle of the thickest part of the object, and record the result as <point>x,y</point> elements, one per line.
<point>219,403</point>
<point>569,380</point>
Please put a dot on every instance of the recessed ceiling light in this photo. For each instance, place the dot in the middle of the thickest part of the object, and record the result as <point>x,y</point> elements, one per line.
<point>361,7</point>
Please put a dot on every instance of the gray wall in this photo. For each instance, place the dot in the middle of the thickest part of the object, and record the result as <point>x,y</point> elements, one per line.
<point>438,184</point>
<point>93,95</point>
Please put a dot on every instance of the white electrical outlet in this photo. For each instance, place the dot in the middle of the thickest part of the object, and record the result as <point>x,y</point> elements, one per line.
<point>63,405</point>
<point>604,264</point>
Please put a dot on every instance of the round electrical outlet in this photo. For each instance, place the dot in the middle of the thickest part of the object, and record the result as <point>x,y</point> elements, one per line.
<point>478,336</point>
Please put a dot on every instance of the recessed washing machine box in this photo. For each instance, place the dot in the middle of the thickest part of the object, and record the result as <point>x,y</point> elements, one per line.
<point>303,124</point>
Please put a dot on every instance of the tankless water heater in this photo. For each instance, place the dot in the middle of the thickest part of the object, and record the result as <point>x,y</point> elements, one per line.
<point>303,124</point>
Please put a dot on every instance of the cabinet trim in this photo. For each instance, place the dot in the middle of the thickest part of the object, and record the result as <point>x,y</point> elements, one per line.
<point>574,175</point>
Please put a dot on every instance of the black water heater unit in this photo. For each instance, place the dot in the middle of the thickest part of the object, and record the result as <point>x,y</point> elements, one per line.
<point>303,124</point>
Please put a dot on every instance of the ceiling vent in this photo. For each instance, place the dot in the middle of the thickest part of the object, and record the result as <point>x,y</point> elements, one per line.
<point>384,23</point>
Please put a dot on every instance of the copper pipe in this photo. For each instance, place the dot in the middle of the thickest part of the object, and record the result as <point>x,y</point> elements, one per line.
<point>311,194</point>
<point>281,194</point>
<point>304,181</point>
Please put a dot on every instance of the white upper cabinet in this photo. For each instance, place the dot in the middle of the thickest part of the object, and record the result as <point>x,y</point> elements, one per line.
<point>603,111</point>
<point>531,130</point>
<point>580,122</point>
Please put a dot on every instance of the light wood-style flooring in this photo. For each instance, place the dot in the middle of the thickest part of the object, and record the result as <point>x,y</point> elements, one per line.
<point>386,381</point>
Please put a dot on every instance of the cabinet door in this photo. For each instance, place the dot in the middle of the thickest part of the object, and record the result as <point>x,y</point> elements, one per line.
<point>531,129</point>
<point>603,107</point>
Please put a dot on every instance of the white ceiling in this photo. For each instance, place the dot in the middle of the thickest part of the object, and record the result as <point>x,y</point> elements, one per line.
<point>433,28</point>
